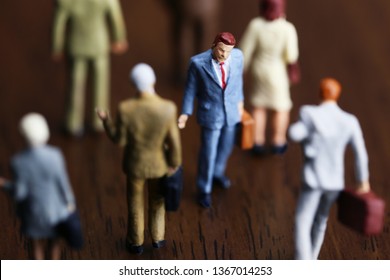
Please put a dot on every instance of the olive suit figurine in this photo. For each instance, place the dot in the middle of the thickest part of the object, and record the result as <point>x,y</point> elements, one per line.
<point>324,132</point>
<point>146,126</point>
<point>270,48</point>
<point>88,42</point>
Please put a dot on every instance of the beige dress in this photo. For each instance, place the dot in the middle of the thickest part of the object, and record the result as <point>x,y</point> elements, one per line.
<point>268,47</point>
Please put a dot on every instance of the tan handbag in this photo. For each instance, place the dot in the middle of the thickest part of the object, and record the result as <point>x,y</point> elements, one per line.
<point>245,132</point>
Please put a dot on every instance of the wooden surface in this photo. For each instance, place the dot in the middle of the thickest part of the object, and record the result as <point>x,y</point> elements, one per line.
<point>346,39</point>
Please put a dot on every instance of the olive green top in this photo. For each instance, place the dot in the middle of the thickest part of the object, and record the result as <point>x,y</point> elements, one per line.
<point>89,29</point>
<point>147,127</point>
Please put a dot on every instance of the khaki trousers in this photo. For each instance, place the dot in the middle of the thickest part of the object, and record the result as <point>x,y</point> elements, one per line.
<point>135,204</point>
<point>100,68</point>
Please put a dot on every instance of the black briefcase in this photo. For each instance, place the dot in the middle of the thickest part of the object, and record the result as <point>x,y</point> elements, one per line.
<point>172,188</point>
<point>70,230</point>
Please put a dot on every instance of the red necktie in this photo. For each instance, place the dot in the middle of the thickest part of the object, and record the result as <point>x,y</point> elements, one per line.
<point>223,75</point>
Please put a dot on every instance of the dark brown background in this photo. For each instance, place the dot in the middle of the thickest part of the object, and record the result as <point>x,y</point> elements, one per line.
<point>346,39</point>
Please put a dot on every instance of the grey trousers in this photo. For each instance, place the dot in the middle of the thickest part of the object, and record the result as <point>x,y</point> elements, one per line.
<point>310,221</point>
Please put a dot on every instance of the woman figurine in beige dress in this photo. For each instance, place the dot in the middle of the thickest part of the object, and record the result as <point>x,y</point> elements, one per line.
<point>270,47</point>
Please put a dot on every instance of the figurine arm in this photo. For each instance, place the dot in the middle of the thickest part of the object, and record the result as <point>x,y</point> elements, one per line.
<point>182,121</point>
<point>189,96</point>
<point>241,108</point>
<point>114,131</point>
<point>248,44</point>
<point>294,73</point>
<point>17,186</point>
<point>291,54</point>
<point>115,16</point>
<point>299,131</point>
<point>361,158</point>
<point>4,183</point>
<point>10,187</point>
<point>174,145</point>
<point>64,184</point>
<point>240,81</point>
<point>58,37</point>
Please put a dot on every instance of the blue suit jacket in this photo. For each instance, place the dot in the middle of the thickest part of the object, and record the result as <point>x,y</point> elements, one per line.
<point>216,107</point>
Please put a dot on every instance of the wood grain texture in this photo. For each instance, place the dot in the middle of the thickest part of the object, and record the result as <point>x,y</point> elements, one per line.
<point>255,218</point>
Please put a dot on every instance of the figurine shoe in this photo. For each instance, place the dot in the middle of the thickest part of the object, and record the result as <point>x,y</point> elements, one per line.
<point>222,181</point>
<point>258,150</point>
<point>279,149</point>
<point>204,199</point>
<point>159,244</point>
<point>135,249</point>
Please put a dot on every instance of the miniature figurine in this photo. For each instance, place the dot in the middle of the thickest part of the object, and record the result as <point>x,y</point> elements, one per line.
<point>146,126</point>
<point>194,25</point>
<point>88,41</point>
<point>270,48</point>
<point>40,187</point>
<point>215,78</point>
<point>324,131</point>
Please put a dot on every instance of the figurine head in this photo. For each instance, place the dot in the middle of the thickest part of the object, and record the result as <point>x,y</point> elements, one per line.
<point>222,46</point>
<point>143,78</point>
<point>34,129</point>
<point>330,89</point>
<point>272,9</point>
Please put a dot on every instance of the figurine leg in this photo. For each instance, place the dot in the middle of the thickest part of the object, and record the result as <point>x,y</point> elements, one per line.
<point>225,148</point>
<point>207,156</point>
<point>75,115</point>
<point>135,204</point>
<point>101,88</point>
<point>260,118</point>
<point>280,120</point>
<point>156,211</point>
<point>320,221</point>
<point>55,251</point>
<point>307,206</point>
<point>38,249</point>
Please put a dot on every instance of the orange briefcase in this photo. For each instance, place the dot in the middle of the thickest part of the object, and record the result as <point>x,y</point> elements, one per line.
<point>245,132</point>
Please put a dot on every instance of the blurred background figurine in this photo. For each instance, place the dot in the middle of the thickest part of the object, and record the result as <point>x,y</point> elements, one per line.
<point>40,187</point>
<point>146,126</point>
<point>270,48</point>
<point>88,42</point>
<point>194,24</point>
<point>324,131</point>
<point>215,78</point>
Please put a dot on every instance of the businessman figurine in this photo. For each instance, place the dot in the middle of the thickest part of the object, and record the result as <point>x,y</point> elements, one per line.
<point>146,125</point>
<point>215,79</point>
<point>324,131</point>
<point>88,41</point>
<point>270,48</point>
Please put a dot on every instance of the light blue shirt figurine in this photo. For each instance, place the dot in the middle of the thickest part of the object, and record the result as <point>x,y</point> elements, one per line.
<point>324,132</point>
